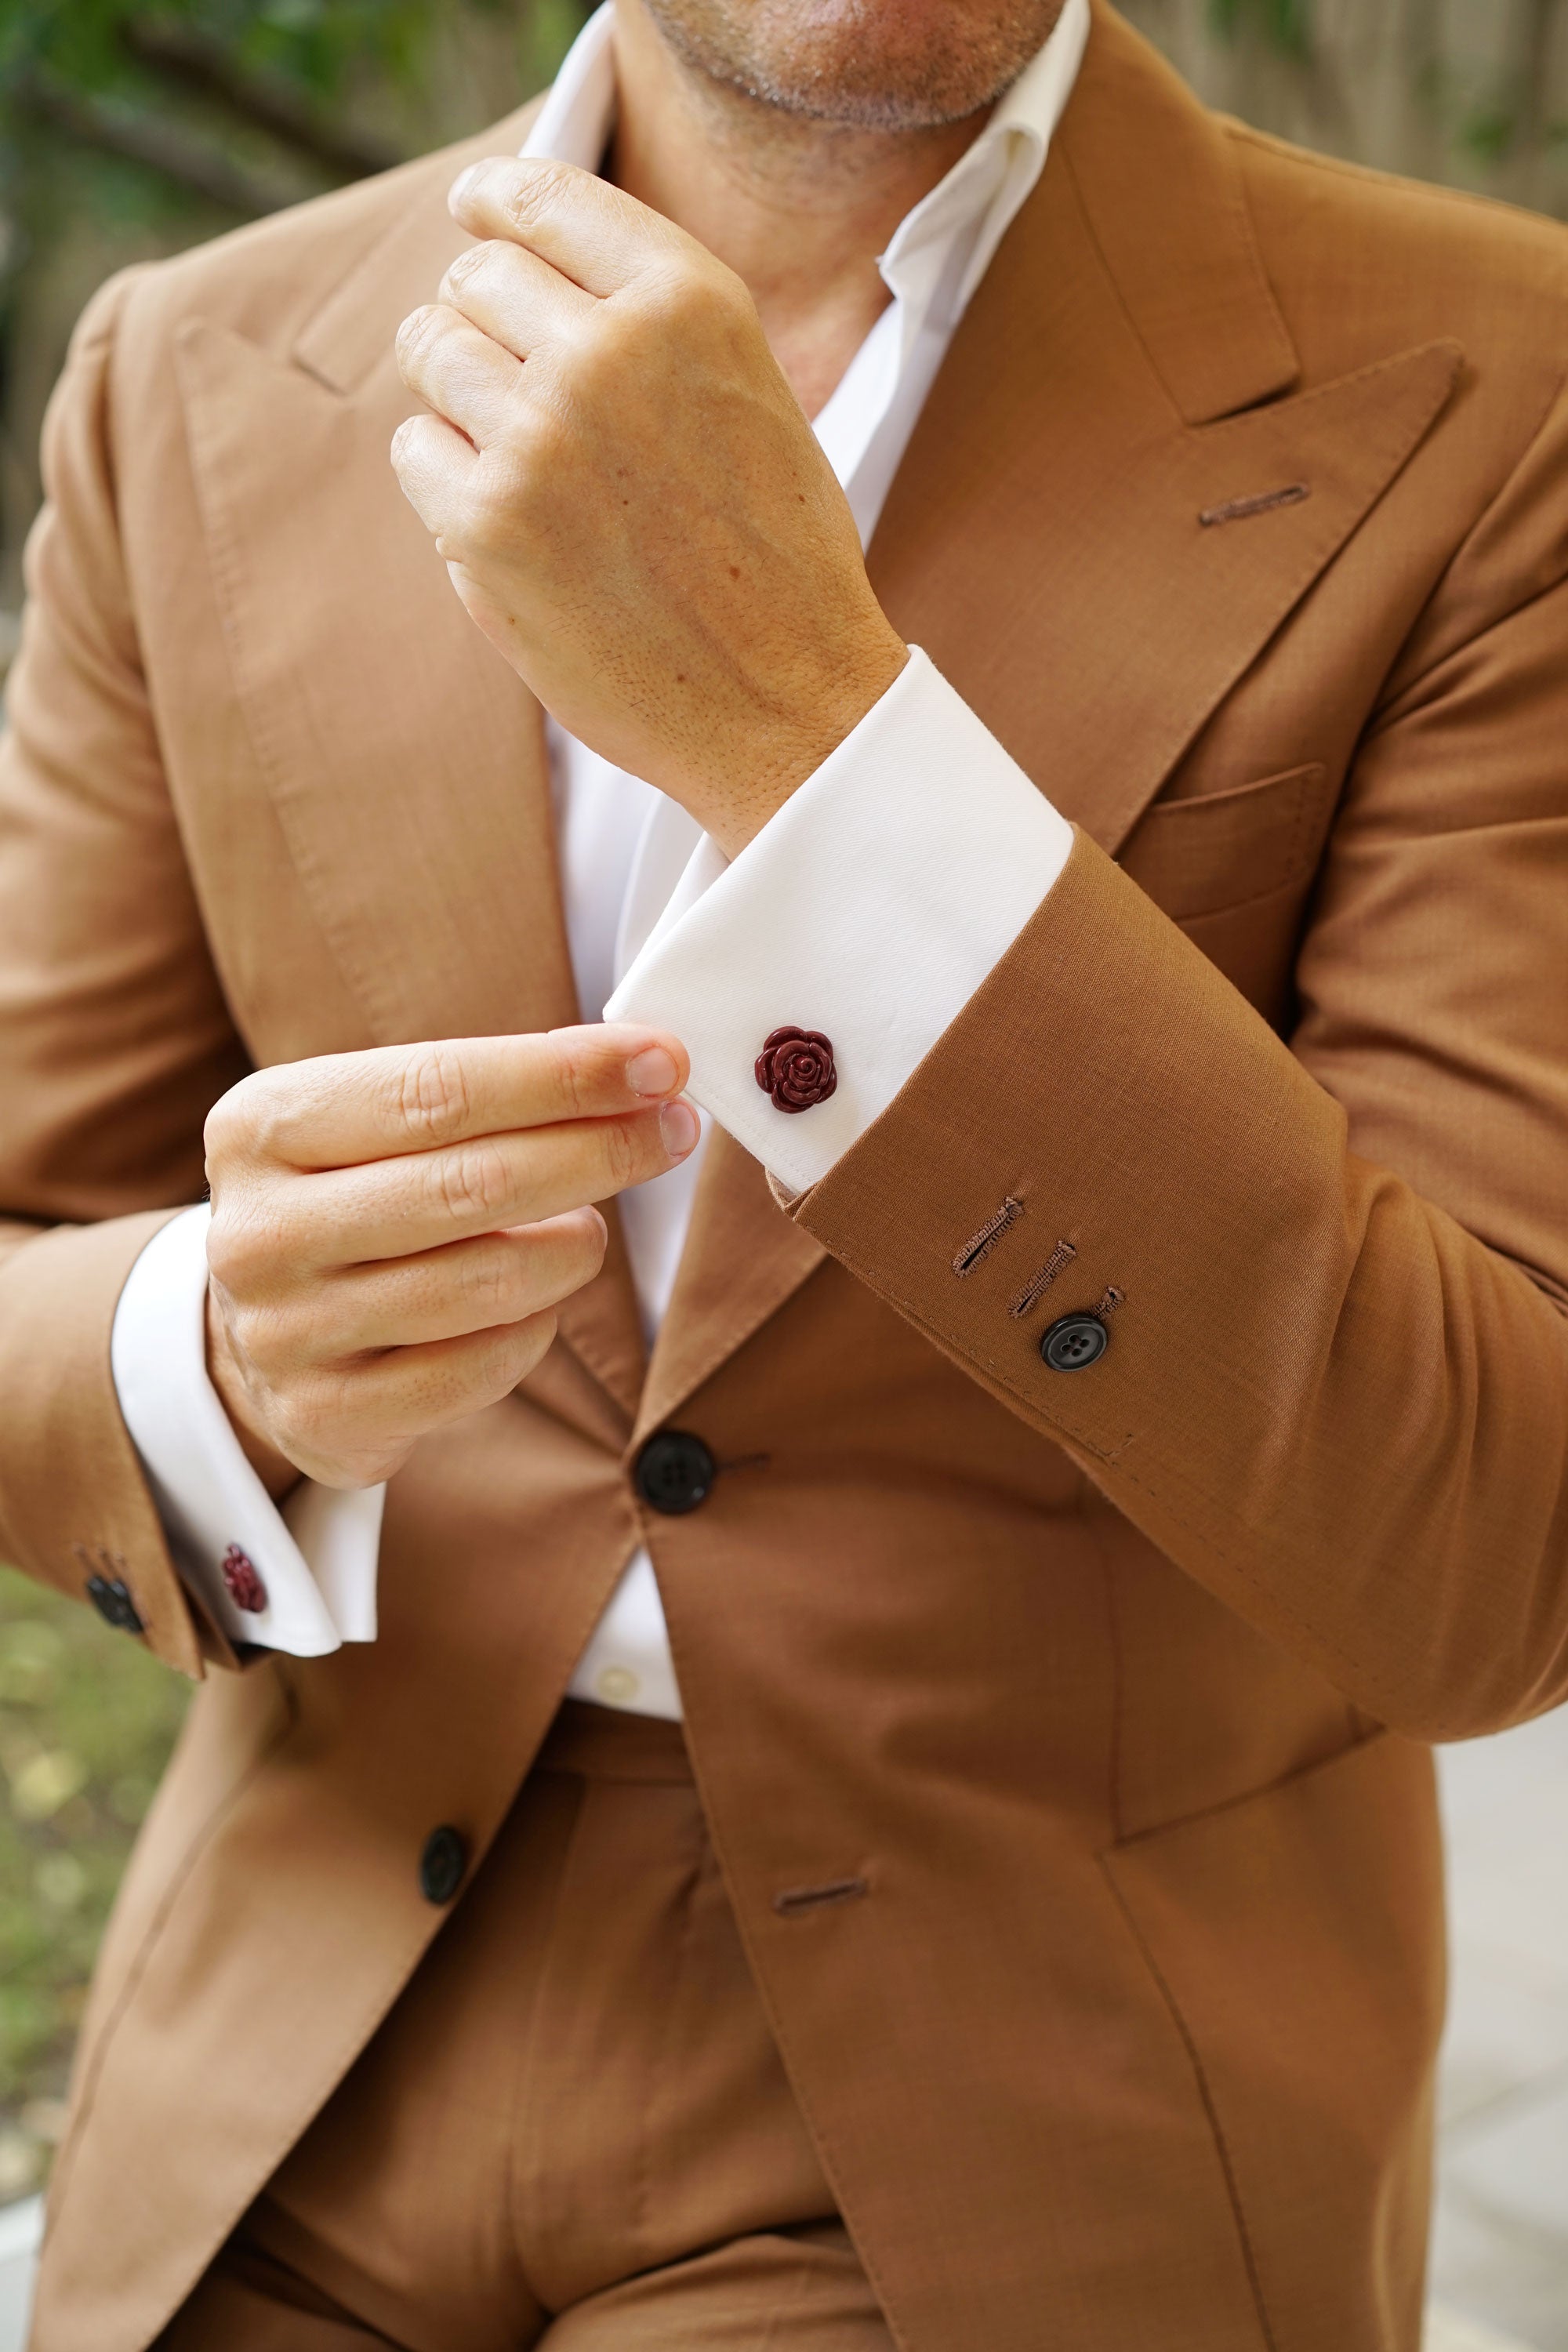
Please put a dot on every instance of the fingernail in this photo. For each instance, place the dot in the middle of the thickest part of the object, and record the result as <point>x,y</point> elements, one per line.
<point>678,1129</point>
<point>653,1071</point>
<point>460,187</point>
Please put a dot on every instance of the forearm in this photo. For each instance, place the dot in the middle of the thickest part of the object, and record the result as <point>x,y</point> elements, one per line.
<point>1322,1397</point>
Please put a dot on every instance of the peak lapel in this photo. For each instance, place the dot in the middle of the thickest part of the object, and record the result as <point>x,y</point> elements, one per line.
<point>406,762</point>
<point>1042,539</point>
<point>743,1258</point>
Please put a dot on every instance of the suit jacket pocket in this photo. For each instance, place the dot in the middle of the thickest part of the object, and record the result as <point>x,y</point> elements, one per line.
<point>1298,1937</point>
<point>1199,857</point>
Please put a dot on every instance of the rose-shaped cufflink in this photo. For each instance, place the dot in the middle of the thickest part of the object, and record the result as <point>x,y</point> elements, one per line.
<point>795,1068</point>
<point>242,1580</point>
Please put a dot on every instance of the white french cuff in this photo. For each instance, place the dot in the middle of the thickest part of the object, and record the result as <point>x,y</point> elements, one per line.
<point>315,1560</point>
<point>867,910</point>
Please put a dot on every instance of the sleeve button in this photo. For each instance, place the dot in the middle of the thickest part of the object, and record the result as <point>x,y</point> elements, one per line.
<point>443,1864</point>
<point>111,1596</point>
<point>1074,1342</point>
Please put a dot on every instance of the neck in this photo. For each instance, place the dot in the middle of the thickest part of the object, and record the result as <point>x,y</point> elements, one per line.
<point>798,208</point>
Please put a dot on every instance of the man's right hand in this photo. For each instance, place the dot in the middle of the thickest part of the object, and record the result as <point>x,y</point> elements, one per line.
<point>391,1230</point>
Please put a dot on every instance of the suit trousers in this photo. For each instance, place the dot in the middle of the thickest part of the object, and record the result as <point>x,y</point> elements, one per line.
<point>574,2130</point>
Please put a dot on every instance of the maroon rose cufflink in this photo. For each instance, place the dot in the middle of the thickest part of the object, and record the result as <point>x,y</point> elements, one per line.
<point>795,1068</point>
<point>242,1582</point>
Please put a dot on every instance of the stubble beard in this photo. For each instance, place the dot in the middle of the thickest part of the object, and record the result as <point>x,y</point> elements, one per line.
<point>862,64</point>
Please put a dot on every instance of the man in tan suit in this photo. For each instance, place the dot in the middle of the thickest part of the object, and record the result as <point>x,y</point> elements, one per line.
<point>903,1815</point>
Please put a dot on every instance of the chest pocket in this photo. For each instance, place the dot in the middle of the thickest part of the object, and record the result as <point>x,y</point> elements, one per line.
<point>1234,868</point>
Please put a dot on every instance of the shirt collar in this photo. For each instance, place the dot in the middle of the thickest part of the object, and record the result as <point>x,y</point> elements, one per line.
<point>574,123</point>
<point>983,191</point>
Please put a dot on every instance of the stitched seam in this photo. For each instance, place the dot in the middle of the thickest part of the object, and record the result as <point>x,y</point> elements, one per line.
<point>668,2037</point>
<point>1261,502</point>
<point>981,1245</point>
<point>793,1901</point>
<point>825,2144</point>
<point>1237,204</point>
<point>1111,1456</point>
<point>1222,1805</point>
<point>1337,385</point>
<point>141,1959</point>
<point>265,745</point>
<point>1205,2095</point>
<point>729,1338</point>
<point>338,2060</point>
<point>523,2069</point>
<point>1306,786</point>
<point>1089,1519</point>
<point>1247,134</point>
<point>1160,812</point>
<point>1042,1278</point>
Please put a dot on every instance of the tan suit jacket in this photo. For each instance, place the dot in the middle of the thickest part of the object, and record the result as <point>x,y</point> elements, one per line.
<point>1239,511</point>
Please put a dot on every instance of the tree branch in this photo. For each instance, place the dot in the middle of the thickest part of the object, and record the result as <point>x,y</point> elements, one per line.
<point>155,142</point>
<point>206,67</point>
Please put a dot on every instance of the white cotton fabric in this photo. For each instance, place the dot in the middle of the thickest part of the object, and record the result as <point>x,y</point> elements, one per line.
<point>882,896</point>
<point>877,901</point>
<point>310,1556</point>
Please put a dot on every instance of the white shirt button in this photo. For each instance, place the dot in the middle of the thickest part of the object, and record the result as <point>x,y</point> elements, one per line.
<point>617,1685</point>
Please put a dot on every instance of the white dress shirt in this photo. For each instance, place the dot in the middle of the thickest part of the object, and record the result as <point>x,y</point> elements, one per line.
<point>918,826</point>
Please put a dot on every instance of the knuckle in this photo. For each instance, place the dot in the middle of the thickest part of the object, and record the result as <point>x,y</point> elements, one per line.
<point>466,267</point>
<point>572,1078</point>
<point>313,1415</point>
<point>623,1153</point>
<point>486,514</point>
<point>515,1351</point>
<point>435,1100</point>
<point>418,333</point>
<point>500,501</point>
<point>593,1246</point>
<point>493,1286</point>
<point>684,294</point>
<point>269,1109</point>
<point>232,1123</point>
<point>534,191</point>
<point>241,1249</point>
<point>264,1336</point>
<point>474,1182</point>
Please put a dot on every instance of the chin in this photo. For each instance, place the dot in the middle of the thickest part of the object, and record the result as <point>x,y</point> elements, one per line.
<point>874,64</point>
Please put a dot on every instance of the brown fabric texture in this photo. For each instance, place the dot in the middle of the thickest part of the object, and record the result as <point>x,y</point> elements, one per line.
<point>574,2130</point>
<point>1108,1692</point>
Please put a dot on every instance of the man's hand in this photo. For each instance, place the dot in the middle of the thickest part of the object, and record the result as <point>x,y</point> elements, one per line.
<point>630,500</point>
<point>391,1230</point>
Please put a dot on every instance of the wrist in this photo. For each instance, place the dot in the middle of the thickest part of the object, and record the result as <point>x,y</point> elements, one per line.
<point>781,758</point>
<point>276,1472</point>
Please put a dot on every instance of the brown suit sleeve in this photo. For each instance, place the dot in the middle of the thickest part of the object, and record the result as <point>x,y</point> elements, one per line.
<point>1336,1388</point>
<point>114,1038</point>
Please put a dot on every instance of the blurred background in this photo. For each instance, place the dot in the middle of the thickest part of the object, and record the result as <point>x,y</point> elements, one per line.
<point>131,128</point>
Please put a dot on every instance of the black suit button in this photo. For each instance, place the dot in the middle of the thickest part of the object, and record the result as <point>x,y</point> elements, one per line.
<point>674,1472</point>
<point>443,1864</point>
<point>1074,1342</point>
<point>111,1599</point>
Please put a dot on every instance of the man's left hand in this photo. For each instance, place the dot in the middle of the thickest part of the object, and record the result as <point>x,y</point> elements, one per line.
<point>630,500</point>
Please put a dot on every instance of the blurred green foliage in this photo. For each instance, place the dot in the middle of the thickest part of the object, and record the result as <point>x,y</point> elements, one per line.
<point>247,103</point>
<point>87,1719</point>
<point>131,128</point>
<point>1286,23</point>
